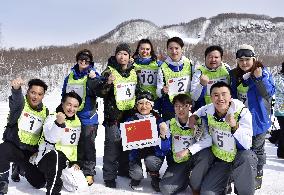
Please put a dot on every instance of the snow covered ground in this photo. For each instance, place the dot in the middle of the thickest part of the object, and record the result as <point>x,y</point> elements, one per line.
<point>273,181</point>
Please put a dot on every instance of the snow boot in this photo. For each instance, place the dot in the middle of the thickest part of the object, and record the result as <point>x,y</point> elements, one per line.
<point>134,183</point>
<point>155,182</point>
<point>3,187</point>
<point>258,179</point>
<point>110,183</point>
<point>15,173</point>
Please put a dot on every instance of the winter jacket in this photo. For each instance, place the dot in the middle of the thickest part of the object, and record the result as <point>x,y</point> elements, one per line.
<point>256,96</point>
<point>165,103</point>
<point>243,134</point>
<point>88,115</point>
<point>137,154</point>
<point>16,105</point>
<point>112,115</point>
<point>279,95</point>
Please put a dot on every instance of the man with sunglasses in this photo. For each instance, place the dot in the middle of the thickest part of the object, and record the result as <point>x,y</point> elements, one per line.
<point>206,75</point>
<point>76,81</point>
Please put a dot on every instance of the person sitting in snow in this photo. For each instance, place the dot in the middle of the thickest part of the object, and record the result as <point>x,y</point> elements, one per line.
<point>58,146</point>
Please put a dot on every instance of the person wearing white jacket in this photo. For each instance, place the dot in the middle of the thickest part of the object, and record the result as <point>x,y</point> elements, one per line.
<point>58,146</point>
<point>230,125</point>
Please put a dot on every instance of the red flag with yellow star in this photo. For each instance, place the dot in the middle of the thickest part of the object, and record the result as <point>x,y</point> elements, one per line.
<point>140,130</point>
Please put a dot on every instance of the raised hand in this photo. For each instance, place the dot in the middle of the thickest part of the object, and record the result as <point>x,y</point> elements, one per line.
<point>204,79</point>
<point>166,89</point>
<point>17,83</point>
<point>92,74</point>
<point>110,79</point>
<point>60,118</point>
<point>163,129</point>
<point>231,120</point>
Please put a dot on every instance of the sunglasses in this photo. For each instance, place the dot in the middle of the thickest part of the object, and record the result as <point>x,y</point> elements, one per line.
<point>244,53</point>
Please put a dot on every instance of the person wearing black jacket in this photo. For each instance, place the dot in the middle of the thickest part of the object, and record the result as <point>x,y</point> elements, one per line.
<point>26,117</point>
<point>118,90</point>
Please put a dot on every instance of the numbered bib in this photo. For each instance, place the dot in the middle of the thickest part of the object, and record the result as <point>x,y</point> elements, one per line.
<point>79,89</point>
<point>213,81</point>
<point>30,123</point>
<point>71,136</point>
<point>244,98</point>
<point>178,85</point>
<point>148,77</point>
<point>182,142</point>
<point>125,91</point>
<point>224,140</point>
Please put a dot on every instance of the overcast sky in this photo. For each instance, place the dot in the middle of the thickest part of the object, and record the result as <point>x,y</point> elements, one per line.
<point>33,23</point>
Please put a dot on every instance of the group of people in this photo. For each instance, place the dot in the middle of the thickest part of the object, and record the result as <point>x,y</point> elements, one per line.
<point>211,120</point>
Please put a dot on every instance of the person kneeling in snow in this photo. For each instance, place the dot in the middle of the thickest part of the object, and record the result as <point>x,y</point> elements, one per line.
<point>58,146</point>
<point>188,155</point>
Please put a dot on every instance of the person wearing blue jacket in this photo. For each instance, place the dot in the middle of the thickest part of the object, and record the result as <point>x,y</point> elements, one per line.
<point>153,156</point>
<point>76,81</point>
<point>174,77</point>
<point>254,86</point>
<point>188,152</point>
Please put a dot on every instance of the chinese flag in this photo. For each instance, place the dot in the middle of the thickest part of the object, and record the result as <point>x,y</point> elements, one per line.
<point>139,130</point>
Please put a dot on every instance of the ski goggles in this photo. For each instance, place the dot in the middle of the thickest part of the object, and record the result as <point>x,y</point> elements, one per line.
<point>245,53</point>
<point>85,57</point>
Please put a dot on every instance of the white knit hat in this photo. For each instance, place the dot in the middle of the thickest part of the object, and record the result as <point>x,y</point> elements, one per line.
<point>245,51</point>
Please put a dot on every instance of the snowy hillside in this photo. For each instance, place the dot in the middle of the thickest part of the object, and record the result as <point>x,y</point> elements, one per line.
<point>273,171</point>
<point>228,30</point>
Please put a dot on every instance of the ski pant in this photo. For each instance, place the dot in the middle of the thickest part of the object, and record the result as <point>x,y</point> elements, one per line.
<point>280,149</point>
<point>87,149</point>
<point>258,142</point>
<point>11,153</point>
<point>242,170</point>
<point>152,164</point>
<point>115,159</point>
<point>179,175</point>
<point>48,171</point>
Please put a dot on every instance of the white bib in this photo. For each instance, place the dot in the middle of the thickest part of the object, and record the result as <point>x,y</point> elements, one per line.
<point>224,140</point>
<point>70,136</point>
<point>125,91</point>
<point>179,85</point>
<point>30,123</point>
<point>213,81</point>
<point>79,89</point>
<point>182,142</point>
<point>148,77</point>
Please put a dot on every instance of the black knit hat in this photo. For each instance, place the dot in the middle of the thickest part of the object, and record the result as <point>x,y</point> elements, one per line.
<point>123,47</point>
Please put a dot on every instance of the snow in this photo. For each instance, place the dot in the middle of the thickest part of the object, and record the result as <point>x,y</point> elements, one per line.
<point>273,181</point>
